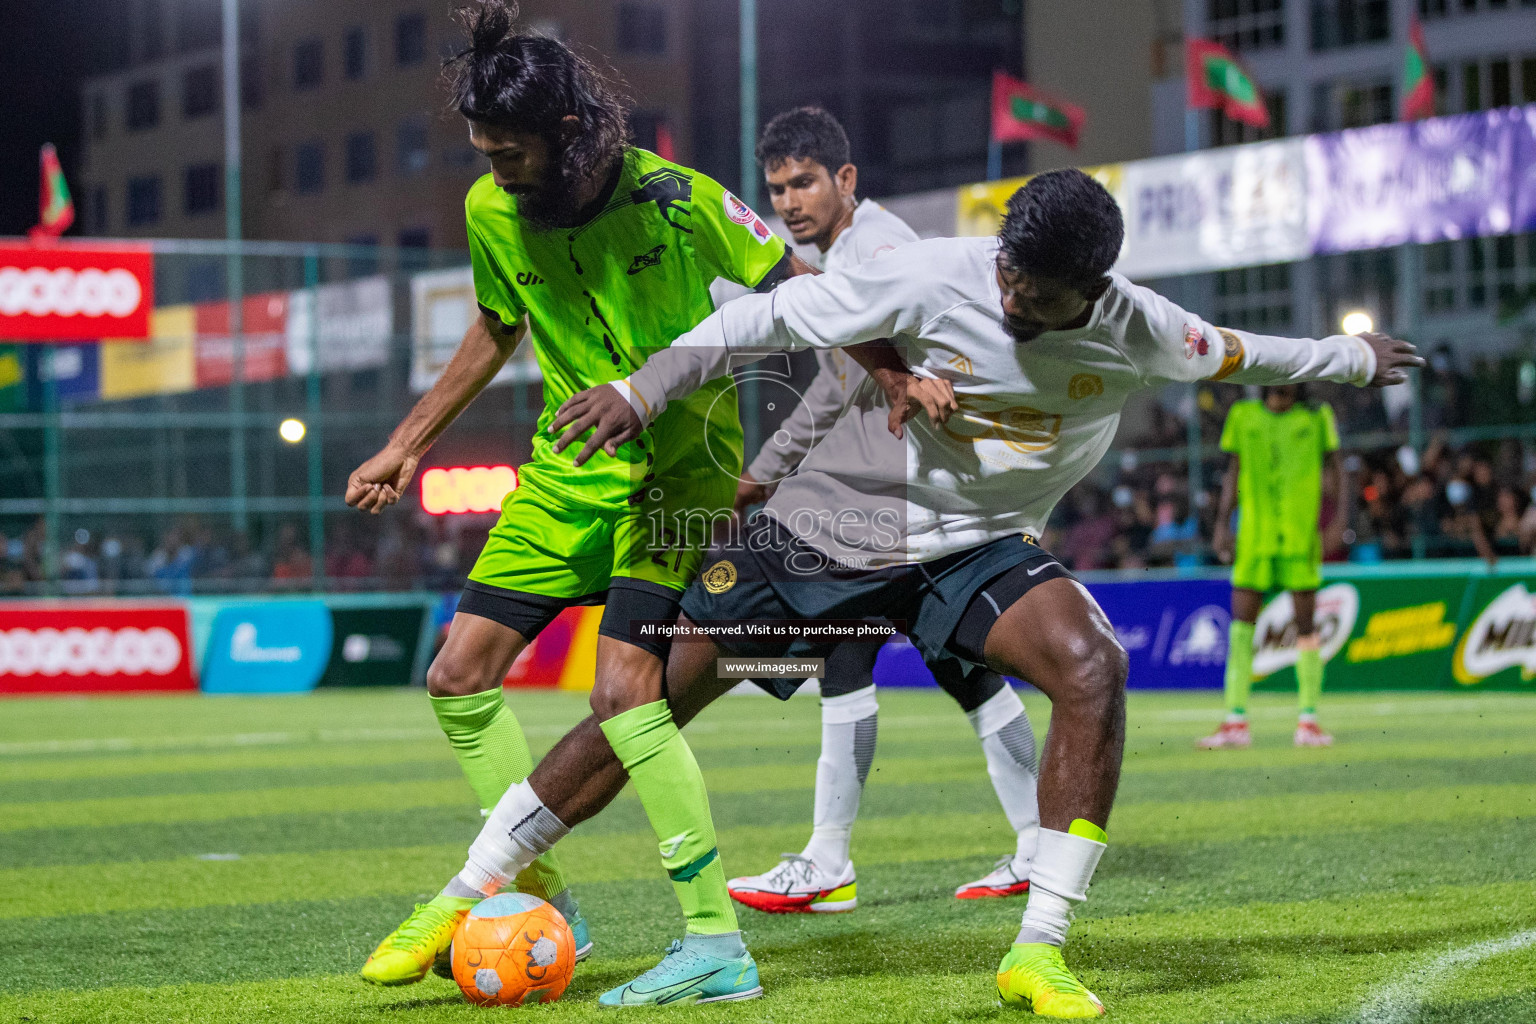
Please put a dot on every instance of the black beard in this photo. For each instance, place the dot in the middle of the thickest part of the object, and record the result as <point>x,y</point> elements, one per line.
<point>549,208</point>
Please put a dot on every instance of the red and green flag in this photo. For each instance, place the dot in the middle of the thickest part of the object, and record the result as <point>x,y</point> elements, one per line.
<point>55,210</point>
<point>1217,80</point>
<point>1418,83</point>
<point>1022,113</point>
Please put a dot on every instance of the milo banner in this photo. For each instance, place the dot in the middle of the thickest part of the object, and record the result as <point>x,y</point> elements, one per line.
<point>1376,634</point>
<point>1498,647</point>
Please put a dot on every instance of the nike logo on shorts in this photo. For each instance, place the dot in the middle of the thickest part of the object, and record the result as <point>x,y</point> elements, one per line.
<point>1039,568</point>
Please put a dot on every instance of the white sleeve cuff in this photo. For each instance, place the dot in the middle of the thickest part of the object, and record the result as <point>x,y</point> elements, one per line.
<point>636,402</point>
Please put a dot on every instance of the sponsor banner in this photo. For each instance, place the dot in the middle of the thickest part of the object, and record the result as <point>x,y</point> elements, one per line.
<point>88,648</point>
<point>1228,207</point>
<point>373,646</point>
<point>1175,631</point>
<point>75,371</point>
<point>443,307</point>
<point>981,206</point>
<point>563,656</point>
<point>267,647</point>
<point>1498,647</point>
<point>466,489</point>
<point>62,292</point>
<point>1420,181</point>
<point>163,365</point>
<point>1525,169</point>
<point>350,323</point>
<point>263,330</point>
<point>13,379</point>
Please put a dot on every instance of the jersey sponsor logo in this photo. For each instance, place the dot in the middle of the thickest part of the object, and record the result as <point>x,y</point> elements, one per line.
<point>646,260</point>
<point>1194,342</point>
<point>1085,385</point>
<point>740,213</point>
<point>1231,354</point>
<point>1020,427</point>
<point>528,277</point>
<point>962,363</point>
<point>1503,636</point>
<point>1274,634</point>
<point>719,577</point>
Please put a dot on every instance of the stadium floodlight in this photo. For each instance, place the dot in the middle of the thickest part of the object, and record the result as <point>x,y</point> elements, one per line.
<point>291,430</point>
<point>1357,322</point>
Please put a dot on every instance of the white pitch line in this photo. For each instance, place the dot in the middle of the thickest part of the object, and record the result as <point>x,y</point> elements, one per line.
<point>1399,1001</point>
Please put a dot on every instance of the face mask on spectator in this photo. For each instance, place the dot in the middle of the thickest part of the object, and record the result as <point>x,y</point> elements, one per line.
<point>1122,496</point>
<point>1408,461</point>
<point>1458,492</point>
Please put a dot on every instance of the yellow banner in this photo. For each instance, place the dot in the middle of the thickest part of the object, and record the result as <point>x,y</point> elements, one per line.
<point>982,205</point>
<point>162,365</point>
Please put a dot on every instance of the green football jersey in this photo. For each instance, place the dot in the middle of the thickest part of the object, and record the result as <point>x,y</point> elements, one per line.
<point>602,297</point>
<point>1279,474</point>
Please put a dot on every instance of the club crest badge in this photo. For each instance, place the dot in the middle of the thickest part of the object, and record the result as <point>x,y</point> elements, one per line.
<point>719,577</point>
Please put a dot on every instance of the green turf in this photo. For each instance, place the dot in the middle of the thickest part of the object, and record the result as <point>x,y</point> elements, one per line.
<point>1267,885</point>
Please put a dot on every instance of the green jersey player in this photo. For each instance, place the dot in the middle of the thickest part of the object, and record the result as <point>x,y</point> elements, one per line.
<point>1281,450</point>
<point>600,254</point>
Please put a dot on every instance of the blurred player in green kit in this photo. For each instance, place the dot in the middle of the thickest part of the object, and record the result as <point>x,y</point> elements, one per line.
<point>1284,453</point>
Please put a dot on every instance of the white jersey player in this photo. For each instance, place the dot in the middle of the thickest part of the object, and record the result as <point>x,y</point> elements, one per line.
<point>1041,345</point>
<point>812,184</point>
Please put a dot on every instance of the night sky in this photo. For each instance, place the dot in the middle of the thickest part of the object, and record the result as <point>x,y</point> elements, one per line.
<point>46,50</point>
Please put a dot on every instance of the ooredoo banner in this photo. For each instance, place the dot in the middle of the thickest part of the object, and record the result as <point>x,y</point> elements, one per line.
<point>82,649</point>
<point>65,292</point>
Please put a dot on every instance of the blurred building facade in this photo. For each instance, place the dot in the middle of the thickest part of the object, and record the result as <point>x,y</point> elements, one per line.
<point>346,134</point>
<point>1326,65</point>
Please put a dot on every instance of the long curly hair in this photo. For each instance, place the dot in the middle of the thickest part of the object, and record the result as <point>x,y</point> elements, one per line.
<point>529,83</point>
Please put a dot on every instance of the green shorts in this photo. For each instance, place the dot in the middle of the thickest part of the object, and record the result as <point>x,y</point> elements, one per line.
<point>543,546</point>
<point>1277,572</point>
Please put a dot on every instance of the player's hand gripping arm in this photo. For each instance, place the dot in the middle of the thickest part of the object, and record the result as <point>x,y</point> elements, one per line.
<point>875,301</point>
<point>380,482</point>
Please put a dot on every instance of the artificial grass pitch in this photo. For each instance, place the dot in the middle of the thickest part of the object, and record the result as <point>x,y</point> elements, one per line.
<point>236,859</point>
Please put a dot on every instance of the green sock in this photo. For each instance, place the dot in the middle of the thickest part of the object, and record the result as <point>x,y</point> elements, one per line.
<point>671,790</point>
<point>494,755</point>
<point>1239,666</point>
<point>1309,679</point>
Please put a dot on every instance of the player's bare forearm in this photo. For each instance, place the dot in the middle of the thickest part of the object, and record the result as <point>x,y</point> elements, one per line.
<point>379,482</point>
<point>798,266</point>
<point>480,356</point>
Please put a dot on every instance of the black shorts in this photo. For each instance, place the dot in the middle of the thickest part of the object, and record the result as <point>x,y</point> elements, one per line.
<point>763,577</point>
<point>626,600</point>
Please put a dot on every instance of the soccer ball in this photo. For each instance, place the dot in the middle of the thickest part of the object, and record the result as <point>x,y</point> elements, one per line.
<point>511,949</point>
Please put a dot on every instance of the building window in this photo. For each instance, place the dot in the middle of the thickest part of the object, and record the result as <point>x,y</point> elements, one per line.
<point>1430,9</point>
<point>1471,87</point>
<point>362,160</point>
<point>354,47</point>
<point>413,243</point>
<point>1255,298</point>
<point>365,261</point>
<point>151,30</point>
<point>143,105</point>
<point>200,91</point>
<point>1246,24</point>
<point>1340,23</point>
<point>410,39</point>
<point>1227,132</point>
<point>199,25</point>
<point>277,169</point>
<point>99,210</point>
<point>309,167</point>
<point>411,154</point>
<point>143,201</point>
<point>253,90</point>
<point>1338,105</point>
<point>202,188</point>
<point>642,28</point>
<point>308,64</point>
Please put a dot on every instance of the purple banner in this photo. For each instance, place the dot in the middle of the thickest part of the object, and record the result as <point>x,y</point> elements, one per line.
<point>1525,168</point>
<point>1427,181</point>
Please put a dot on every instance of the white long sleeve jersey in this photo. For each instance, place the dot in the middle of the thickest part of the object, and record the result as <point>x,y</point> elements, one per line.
<point>873,231</point>
<point>1035,417</point>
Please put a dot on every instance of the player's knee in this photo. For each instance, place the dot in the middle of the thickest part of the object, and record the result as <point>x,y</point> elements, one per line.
<point>455,677</point>
<point>1099,672</point>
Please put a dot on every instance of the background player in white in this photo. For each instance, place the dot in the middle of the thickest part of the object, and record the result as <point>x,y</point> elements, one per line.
<point>1042,344</point>
<point>812,183</point>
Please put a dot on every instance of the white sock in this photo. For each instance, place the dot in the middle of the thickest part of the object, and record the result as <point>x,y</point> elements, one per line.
<point>848,729</point>
<point>1058,882</point>
<point>518,829</point>
<point>1009,743</point>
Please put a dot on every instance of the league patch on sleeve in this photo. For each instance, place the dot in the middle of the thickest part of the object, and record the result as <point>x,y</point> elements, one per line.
<point>1231,355</point>
<point>740,213</point>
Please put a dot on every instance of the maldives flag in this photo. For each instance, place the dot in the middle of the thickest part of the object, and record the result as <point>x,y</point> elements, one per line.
<point>55,210</point>
<point>1021,113</point>
<point>1418,84</point>
<point>1218,81</point>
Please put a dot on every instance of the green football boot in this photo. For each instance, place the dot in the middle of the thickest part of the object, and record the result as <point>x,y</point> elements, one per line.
<point>407,953</point>
<point>1033,976</point>
<point>687,976</point>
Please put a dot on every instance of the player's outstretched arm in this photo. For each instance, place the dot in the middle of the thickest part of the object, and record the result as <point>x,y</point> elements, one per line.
<point>380,482</point>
